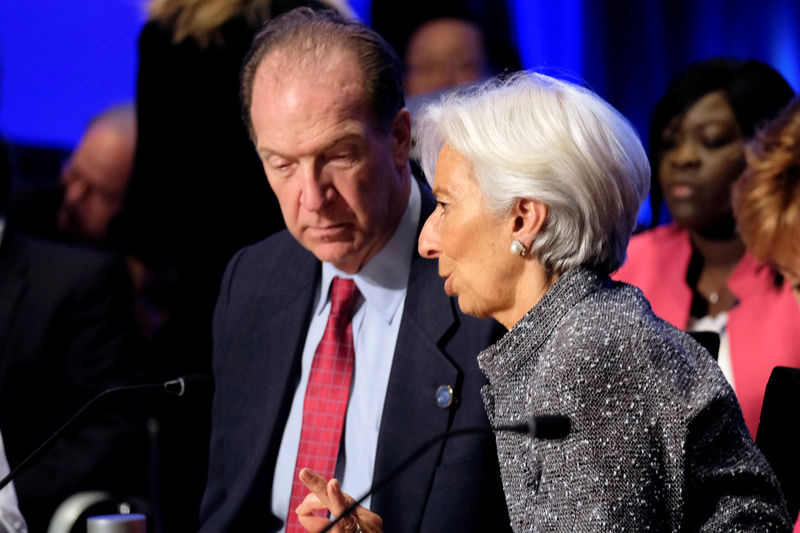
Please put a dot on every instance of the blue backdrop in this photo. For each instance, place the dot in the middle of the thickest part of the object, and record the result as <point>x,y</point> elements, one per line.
<point>63,61</point>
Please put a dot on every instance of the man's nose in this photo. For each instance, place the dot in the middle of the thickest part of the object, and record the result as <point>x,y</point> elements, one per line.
<point>74,190</point>
<point>315,191</point>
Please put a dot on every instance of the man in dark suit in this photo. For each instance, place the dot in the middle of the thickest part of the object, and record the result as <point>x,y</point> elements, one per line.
<point>66,333</point>
<point>324,105</point>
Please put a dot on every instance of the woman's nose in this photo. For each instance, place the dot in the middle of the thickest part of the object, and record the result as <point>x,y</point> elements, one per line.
<point>684,154</point>
<point>429,239</point>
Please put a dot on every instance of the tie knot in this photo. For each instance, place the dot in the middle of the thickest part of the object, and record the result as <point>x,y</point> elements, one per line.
<point>343,295</point>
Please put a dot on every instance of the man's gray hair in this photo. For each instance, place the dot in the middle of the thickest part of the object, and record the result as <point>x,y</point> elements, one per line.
<point>532,136</point>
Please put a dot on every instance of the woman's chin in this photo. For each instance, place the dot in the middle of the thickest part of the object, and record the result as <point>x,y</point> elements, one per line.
<point>469,308</point>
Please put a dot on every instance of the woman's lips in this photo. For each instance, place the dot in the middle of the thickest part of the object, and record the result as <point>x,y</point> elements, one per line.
<point>447,284</point>
<point>681,191</point>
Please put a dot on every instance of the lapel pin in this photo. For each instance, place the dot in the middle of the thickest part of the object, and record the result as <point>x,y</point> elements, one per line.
<point>445,397</point>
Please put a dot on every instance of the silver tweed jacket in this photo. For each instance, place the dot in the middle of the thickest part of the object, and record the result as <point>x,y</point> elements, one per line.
<point>658,442</point>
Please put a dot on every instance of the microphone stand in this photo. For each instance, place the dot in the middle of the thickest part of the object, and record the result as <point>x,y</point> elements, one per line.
<point>400,468</point>
<point>175,386</point>
<point>544,427</point>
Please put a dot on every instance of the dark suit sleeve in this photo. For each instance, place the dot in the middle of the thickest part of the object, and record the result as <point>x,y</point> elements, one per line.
<point>728,476</point>
<point>74,336</point>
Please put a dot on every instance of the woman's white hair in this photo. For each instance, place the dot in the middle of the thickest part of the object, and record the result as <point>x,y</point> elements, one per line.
<point>532,136</point>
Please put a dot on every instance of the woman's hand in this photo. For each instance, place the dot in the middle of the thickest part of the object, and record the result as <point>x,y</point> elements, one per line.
<point>328,495</point>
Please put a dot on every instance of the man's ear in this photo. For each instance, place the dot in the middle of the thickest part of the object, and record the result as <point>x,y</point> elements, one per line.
<point>527,219</point>
<point>401,138</point>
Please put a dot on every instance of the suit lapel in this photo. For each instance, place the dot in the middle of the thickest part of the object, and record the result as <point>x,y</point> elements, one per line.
<point>410,415</point>
<point>284,336</point>
<point>272,367</point>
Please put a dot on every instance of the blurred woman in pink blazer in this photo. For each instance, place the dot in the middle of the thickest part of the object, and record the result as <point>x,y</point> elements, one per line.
<point>695,271</point>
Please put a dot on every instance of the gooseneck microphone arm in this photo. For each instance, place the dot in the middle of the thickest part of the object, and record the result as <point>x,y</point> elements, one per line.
<point>176,386</point>
<point>546,427</point>
<point>537,427</point>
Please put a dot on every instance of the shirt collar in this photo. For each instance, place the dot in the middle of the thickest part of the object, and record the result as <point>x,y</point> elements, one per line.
<point>383,280</point>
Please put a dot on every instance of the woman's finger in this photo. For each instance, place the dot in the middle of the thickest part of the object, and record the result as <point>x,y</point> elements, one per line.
<point>313,523</point>
<point>338,501</point>
<point>369,521</point>
<point>310,504</point>
<point>315,483</point>
<point>312,513</point>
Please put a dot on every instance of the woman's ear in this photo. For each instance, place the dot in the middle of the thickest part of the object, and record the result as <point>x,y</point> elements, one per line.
<point>527,219</point>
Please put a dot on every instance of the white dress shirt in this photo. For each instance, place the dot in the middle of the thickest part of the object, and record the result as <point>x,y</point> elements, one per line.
<point>718,324</point>
<point>11,520</point>
<point>382,283</point>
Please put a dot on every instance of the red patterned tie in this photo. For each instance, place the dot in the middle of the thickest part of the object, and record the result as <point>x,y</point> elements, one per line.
<point>325,403</point>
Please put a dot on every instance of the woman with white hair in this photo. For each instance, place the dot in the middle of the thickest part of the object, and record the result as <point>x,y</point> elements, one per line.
<point>538,184</point>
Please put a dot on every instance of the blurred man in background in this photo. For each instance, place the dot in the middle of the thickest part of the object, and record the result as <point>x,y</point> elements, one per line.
<point>96,175</point>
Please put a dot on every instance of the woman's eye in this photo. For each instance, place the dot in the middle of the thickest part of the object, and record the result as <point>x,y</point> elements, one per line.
<point>716,142</point>
<point>667,144</point>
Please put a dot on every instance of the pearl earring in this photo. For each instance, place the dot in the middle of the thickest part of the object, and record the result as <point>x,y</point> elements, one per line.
<point>517,248</point>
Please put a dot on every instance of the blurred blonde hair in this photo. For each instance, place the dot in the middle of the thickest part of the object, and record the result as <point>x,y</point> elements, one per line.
<point>201,19</point>
<point>766,198</point>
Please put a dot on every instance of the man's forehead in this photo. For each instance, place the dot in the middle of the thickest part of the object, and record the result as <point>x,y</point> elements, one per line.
<point>283,81</point>
<point>322,63</point>
<point>314,103</point>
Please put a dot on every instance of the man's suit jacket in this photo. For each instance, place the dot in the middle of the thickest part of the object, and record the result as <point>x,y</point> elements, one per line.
<point>260,328</point>
<point>67,332</point>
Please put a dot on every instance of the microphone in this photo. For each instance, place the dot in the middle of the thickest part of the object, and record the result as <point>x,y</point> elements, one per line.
<point>542,427</point>
<point>545,427</point>
<point>179,387</point>
<point>186,384</point>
